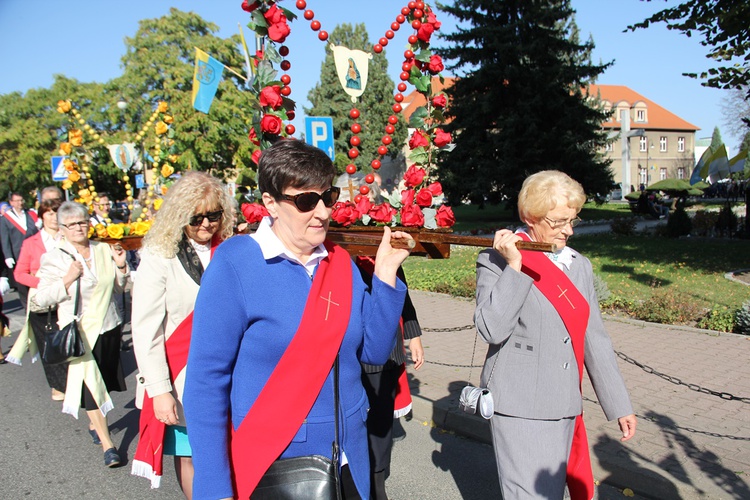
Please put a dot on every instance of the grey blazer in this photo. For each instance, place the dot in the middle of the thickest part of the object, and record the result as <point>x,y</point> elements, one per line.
<point>535,372</point>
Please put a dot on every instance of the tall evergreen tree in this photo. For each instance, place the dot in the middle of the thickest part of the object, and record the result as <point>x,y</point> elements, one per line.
<point>520,104</point>
<point>329,99</point>
<point>716,140</point>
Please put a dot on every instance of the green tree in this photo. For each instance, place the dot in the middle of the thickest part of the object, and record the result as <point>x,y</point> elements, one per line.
<point>329,99</point>
<point>158,66</point>
<point>723,26</point>
<point>31,130</point>
<point>716,140</point>
<point>520,105</point>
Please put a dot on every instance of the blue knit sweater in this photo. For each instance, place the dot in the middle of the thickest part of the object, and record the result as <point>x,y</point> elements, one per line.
<point>247,311</point>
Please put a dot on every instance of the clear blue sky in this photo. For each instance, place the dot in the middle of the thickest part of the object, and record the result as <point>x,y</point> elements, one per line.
<point>84,39</point>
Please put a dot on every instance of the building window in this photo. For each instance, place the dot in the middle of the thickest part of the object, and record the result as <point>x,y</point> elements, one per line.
<point>662,173</point>
<point>681,172</point>
<point>680,144</point>
<point>640,115</point>
<point>642,142</point>
<point>663,144</point>
<point>642,175</point>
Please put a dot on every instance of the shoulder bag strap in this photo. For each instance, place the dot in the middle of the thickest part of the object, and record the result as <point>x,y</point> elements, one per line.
<point>335,458</point>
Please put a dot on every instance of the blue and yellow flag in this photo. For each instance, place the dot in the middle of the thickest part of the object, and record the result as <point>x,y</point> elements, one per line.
<point>206,78</point>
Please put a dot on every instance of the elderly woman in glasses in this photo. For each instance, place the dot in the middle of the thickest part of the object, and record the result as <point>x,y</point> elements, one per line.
<point>197,214</point>
<point>94,272</point>
<point>540,315</point>
<point>274,311</point>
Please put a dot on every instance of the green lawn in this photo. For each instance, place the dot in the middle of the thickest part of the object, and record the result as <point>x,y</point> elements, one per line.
<point>492,217</point>
<point>634,268</point>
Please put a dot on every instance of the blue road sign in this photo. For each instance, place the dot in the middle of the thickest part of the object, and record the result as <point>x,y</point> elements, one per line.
<point>58,169</point>
<point>319,133</point>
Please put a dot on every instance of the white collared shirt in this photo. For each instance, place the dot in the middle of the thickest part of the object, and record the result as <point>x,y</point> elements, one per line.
<point>50,241</point>
<point>203,251</point>
<point>271,247</point>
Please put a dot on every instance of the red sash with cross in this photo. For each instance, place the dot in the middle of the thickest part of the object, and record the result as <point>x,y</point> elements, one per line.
<point>573,309</point>
<point>299,375</point>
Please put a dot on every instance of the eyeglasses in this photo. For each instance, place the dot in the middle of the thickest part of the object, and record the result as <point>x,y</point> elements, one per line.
<point>306,202</point>
<point>81,223</point>
<point>561,223</point>
<point>105,204</point>
<point>197,219</point>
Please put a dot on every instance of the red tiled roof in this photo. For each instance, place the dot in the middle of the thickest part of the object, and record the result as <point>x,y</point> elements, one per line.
<point>414,99</point>
<point>658,117</point>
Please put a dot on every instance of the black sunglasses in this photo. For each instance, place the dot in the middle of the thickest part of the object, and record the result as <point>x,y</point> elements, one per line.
<point>306,202</point>
<point>197,219</point>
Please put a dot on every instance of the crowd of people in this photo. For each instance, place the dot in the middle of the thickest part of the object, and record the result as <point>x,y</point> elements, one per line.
<point>257,348</point>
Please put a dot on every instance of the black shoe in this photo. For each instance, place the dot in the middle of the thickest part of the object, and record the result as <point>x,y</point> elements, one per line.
<point>2,361</point>
<point>111,458</point>
<point>95,437</point>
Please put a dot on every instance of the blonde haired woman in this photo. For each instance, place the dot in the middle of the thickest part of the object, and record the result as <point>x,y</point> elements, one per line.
<point>197,214</point>
<point>540,315</point>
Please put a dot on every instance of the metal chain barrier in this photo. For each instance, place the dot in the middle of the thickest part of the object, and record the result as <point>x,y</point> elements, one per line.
<point>450,329</point>
<point>675,426</point>
<point>693,387</point>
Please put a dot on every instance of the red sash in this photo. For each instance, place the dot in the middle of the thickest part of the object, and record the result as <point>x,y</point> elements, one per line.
<point>148,459</point>
<point>574,312</point>
<point>299,375</point>
<point>18,226</point>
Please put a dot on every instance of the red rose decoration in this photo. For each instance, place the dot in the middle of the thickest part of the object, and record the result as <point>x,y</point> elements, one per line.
<point>425,32</point>
<point>278,29</point>
<point>439,101</point>
<point>270,124</point>
<point>253,212</point>
<point>249,6</point>
<point>253,136</point>
<point>444,216</point>
<point>424,198</point>
<point>407,197</point>
<point>258,57</point>
<point>364,205</point>
<point>432,19</point>
<point>271,96</point>
<point>414,176</point>
<point>256,156</point>
<point>441,138</point>
<point>411,216</point>
<point>435,188</point>
<point>345,213</point>
<point>382,213</point>
<point>435,65</point>
<point>418,139</point>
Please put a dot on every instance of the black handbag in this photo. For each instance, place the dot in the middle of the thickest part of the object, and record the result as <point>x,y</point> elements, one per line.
<point>312,477</point>
<point>62,344</point>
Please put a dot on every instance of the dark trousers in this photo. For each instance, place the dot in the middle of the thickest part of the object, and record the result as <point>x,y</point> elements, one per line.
<point>381,391</point>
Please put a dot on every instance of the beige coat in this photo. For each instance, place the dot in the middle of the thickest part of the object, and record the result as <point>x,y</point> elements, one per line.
<point>163,296</point>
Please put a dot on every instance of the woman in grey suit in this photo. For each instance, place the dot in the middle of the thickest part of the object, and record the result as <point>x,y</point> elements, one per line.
<point>539,313</point>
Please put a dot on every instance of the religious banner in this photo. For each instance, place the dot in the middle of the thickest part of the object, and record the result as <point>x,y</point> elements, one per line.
<point>123,155</point>
<point>351,68</point>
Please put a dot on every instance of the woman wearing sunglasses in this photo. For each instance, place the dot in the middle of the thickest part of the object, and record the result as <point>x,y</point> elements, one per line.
<point>274,311</point>
<point>197,214</point>
<point>94,272</point>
